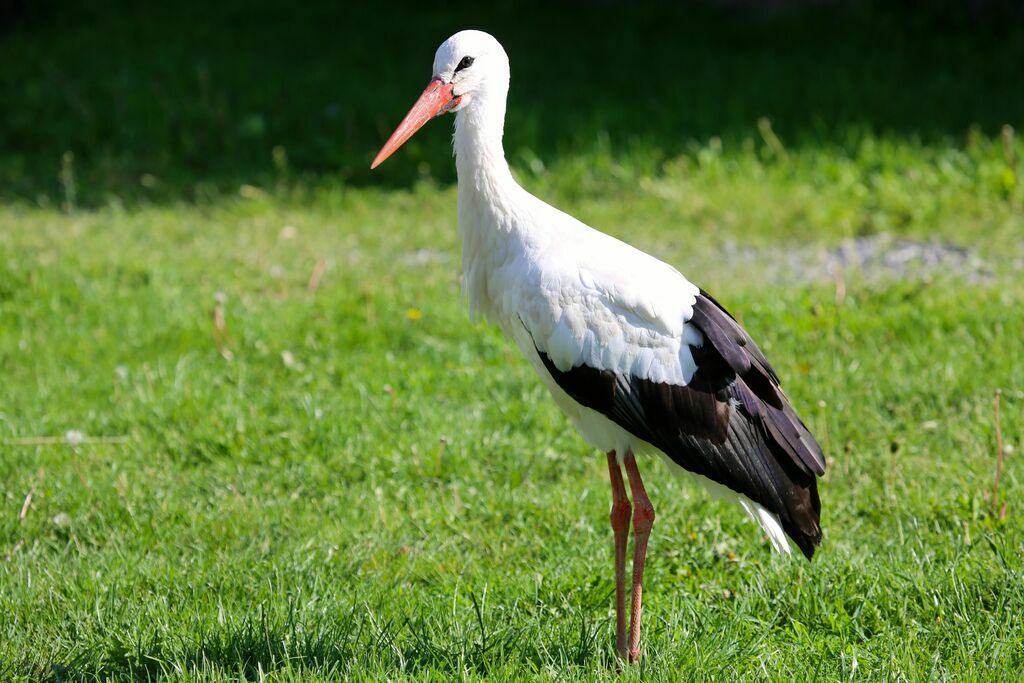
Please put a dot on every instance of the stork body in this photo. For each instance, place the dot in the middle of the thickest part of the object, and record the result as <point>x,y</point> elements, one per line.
<point>639,359</point>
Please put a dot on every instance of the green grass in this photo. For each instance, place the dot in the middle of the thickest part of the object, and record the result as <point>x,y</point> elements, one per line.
<point>358,483</point>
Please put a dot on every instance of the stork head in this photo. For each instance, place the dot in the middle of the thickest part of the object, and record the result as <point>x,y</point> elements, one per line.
<point>470,69</point>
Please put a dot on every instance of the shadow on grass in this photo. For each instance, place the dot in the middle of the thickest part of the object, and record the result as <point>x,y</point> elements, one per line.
<point>111,100</point>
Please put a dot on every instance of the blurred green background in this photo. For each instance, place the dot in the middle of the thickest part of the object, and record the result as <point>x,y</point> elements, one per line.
<point>196,97</point>
<point>247,431</point>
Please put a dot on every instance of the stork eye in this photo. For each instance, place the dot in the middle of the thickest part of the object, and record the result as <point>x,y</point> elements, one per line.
<point>464,64</point>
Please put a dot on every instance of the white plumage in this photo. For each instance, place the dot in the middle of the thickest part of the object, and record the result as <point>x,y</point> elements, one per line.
<point>552,282</point>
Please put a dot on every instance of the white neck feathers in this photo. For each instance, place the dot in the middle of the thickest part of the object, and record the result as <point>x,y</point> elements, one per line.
<point>479,154</point>
<point>488,201</point>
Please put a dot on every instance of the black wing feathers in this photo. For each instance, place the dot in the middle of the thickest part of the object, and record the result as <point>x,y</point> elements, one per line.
<point>764,398</point>
<point>732,423</point>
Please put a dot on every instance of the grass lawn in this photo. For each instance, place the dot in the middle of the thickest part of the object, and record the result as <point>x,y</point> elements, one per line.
<point>317,468</point>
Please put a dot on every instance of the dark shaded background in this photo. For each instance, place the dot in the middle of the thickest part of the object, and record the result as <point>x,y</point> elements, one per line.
<point>188,100</point>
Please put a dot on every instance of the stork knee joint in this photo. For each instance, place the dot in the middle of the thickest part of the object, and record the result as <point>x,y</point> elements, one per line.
<point>620,514</point>
<point>643,519</point>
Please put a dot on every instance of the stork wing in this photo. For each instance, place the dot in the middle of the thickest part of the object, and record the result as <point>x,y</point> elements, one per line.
<point>663,360</point>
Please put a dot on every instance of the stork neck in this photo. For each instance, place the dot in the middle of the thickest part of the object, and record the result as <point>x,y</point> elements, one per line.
<point>479,154</point>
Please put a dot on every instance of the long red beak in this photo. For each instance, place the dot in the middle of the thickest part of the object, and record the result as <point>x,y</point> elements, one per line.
<point>435,100</point>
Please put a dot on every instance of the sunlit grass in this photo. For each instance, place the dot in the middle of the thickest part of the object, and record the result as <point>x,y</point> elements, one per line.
<point>352,480</point>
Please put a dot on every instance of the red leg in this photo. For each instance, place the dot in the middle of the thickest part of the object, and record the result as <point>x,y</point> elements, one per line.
<point>643,520</point>
<point>620,527</point>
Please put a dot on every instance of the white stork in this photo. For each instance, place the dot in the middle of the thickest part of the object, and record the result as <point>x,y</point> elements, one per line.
<point>640,359</point>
